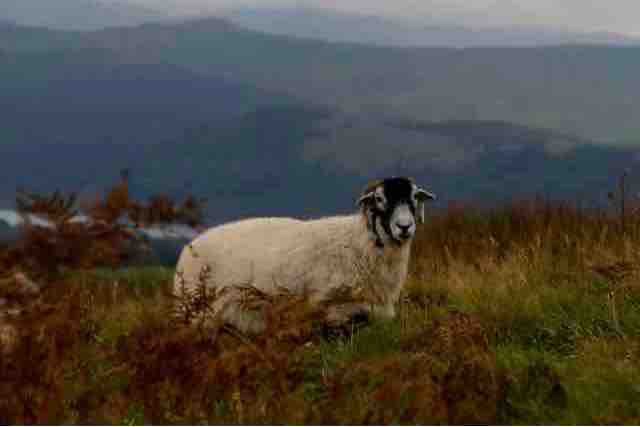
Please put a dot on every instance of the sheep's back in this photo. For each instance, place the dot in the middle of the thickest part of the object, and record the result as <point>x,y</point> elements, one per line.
<point>271,252</point>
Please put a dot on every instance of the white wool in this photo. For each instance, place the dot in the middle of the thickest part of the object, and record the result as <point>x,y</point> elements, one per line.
<point>313,256</point>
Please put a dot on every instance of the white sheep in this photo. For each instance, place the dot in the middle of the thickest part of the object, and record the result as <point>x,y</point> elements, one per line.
<point>369,249</point>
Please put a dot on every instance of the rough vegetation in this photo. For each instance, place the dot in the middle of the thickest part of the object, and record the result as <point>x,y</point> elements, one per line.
<point>526,314</point>
<point>102,236</point>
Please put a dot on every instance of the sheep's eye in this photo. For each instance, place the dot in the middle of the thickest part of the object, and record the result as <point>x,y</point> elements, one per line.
<point>379,199</point>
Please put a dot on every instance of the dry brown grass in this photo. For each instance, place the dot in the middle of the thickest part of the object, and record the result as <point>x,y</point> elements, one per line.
<point>102,241</point>
<point>526,314</point>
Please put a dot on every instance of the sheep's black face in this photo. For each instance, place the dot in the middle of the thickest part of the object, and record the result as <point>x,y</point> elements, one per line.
<point>390,207</point>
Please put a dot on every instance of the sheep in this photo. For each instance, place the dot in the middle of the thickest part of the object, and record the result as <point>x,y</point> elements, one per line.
<point>369,249</point>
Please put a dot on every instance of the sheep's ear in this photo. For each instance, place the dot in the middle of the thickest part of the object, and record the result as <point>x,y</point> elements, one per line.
<point>422,196</point>
<point>366,198</point>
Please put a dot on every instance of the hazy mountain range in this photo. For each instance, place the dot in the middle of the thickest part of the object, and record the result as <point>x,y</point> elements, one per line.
<point>301,21</point>
<point>589,91</point>
<point>324,24</point>
<point>272,124</point>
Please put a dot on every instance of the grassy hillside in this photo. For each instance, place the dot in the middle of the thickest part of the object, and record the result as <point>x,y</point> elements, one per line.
<point>524,315</point>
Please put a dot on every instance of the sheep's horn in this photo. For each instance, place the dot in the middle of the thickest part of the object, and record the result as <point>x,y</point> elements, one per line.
<point>423,195</point>
<point>365,197</point>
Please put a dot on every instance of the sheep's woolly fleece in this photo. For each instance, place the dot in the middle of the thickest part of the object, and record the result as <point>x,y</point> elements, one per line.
<point>302,256</point>
<point>367,253</point>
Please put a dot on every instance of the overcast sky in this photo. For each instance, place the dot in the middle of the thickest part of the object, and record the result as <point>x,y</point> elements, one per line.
<point>621,16</point>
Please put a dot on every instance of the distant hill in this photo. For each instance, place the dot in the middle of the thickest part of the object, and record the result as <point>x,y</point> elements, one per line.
<point>77,14</point>
<point>267,124</point>
<point>589,91</point>
<point>308,161</point>
<point>334,26</point>
<point>91,97</point>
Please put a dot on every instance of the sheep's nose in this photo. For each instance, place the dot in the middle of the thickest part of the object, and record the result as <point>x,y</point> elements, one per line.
<point>404,228</point>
